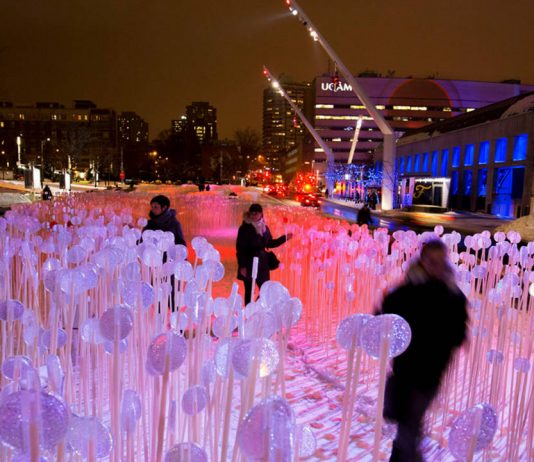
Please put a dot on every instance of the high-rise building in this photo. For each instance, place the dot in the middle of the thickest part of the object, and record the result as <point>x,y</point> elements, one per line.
<point>202,118</point>
<point>132,128</point>
<point>283,131</point>
<point>60,137</point>
<point>133,140</point>
<point>179,125</point>
<point>407,103</point>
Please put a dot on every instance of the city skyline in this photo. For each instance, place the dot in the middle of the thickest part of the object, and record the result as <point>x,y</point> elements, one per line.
<point>155,59</point>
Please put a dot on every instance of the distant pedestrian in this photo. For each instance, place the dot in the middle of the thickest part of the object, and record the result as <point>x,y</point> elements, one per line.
<point>253,240</point>
<point>208,188</point>
<point>47,193</point>
<point>373,199</point>
<point>162,217</point>
<point>364,216</point>
<point>435,308</point>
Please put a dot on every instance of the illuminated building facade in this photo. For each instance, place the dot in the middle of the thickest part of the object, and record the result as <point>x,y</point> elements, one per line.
<point>283,132</point>
<point>480,161</point>
<point>201,117</point>
<point>407,104</point>
<point>132,128</point>
<point>75,137</point>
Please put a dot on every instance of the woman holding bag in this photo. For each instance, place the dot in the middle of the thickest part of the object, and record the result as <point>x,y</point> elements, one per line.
<point>253,240</point>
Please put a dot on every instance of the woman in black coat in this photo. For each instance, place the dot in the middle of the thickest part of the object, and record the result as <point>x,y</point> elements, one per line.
<point>253,238</point>
<point>163,218</point>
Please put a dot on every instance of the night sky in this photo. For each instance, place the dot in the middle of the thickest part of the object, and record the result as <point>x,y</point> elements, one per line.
<point>156,56</point>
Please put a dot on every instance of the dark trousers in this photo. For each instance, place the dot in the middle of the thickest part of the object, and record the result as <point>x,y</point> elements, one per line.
<point>406,406</point>
<point>248,287</point>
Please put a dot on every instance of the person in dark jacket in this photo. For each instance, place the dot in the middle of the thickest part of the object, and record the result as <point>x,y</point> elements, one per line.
<point>253,238</point>
<point>47,193</point>
<point>164,218</point>
<point>364,216</point>
<point>435,308</point>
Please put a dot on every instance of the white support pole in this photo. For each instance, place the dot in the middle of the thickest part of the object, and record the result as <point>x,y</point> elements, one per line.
<point>329,155</point>
<point>388,172</point>
<point>383,125</point>
<point>357,128</point>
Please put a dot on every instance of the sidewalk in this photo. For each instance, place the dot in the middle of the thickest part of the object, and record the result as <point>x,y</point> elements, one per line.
<point>19,186</point>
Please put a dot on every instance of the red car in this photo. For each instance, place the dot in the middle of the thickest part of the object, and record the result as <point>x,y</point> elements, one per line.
<point>311,200</point>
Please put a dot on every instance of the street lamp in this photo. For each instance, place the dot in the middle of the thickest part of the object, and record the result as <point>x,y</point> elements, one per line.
<point>19,143</point>
<point>387,132</point>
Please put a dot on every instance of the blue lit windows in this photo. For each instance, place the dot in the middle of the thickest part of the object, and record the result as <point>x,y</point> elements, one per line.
<point>482,182</point>
<point>454,183</point>
<point>401,165</point>
<point>435,160</point>
<point>417,163</point>
<point>444,162</point>
<point>408,164</point>
<point>456,156</point>
<point>500,150</point>
<point>520,147</point>
<point>483,153</point>
<point>468,182</point>
<point>425,162</point>
<point>469,156</point>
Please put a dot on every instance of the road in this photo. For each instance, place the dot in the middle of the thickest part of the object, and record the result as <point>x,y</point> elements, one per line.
<point>464,223</point>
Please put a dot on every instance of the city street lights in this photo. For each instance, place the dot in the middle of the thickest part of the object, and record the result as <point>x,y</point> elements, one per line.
<point>19,143</point>
<point>388,176</point>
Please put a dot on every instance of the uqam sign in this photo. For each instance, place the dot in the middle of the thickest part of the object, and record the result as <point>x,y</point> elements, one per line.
<point>335,86</point>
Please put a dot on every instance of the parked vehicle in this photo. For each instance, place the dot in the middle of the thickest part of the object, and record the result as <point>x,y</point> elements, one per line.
<point>311,200</point>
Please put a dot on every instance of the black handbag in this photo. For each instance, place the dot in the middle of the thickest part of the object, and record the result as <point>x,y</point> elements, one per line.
<point>273,261</point>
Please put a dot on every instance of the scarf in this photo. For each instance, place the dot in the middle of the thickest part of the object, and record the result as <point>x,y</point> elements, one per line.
<point>259,226</point>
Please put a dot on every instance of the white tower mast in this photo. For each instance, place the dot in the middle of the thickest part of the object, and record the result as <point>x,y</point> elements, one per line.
<point>388,174</point>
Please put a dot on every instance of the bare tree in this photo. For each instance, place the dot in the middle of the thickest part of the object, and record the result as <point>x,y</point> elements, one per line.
<point>73,145</point>
<point>248,143</point>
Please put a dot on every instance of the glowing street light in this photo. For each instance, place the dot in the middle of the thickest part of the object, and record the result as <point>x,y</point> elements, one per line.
<point>388,177</point>
<point>19,143</point>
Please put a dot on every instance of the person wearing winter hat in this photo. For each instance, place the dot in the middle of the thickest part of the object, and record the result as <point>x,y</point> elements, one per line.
<point>253,240</point>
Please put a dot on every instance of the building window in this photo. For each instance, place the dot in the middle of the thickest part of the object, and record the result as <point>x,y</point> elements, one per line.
<point>468,182</point>
<point>454,183</point>
<point>469,155</point>
<point>444,162</point>
<point>425,162</point>
<point>482,182</point>
<point>435,156</point>
<point>520,147</point>
<point>483,153</point>
<point>500,150</point>
<point>456,156</point>
<point>401,165</point>
<point>408,164</point>
<point>417,163</point>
